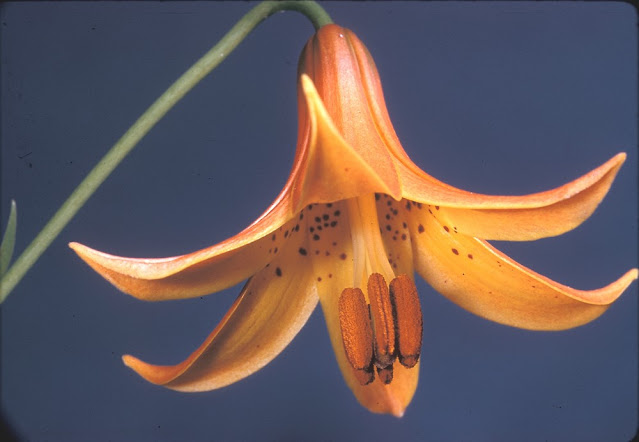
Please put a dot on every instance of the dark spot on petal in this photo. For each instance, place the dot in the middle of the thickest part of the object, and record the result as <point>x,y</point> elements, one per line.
<point>318,219</point>
<point>420,228</point>
<point>333,223</point>
<point>455,251</point>
<point>404,236</point>
<point>470,256</point>
<point>388,227</point>
<point>329,205</point>
<point>446,228</point>
<point>302,251</point>
<point>278,271</point>
<point>342,256</point>
<point>325,217</point>
<point>273,237</point>
<point>336,213</point>
<point>319,278</point>
<point>316,237</point>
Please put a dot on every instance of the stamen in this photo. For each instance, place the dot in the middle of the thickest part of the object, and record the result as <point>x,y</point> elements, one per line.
<point>383,323</point>
<point>357,333</point>
<point>408,320</point>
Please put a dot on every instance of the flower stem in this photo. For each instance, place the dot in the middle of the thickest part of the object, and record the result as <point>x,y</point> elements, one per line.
<point>314,12</point>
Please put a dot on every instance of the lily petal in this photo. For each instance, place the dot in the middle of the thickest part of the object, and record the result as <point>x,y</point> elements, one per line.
<point>484,281</point>
<point>269,312</point>
<point>337,111</point>
<point>205,271</point>
<point>518,218</point>
<point>331,169</point>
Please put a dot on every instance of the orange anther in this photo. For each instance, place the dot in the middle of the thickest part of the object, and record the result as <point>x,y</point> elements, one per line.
<point>383,322</point>
<point>408,320</point>
<point>357,333</point>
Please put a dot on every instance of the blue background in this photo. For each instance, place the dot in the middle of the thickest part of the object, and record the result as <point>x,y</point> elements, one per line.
<point>504,98</point>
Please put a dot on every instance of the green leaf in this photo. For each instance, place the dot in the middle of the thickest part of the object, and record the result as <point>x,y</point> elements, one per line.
<point>9,239</point>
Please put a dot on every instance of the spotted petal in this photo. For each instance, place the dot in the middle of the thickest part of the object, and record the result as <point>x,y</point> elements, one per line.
<point>516,218</point>
<point>269,312</point>
<point>484,281</point>
<point>205,271</point>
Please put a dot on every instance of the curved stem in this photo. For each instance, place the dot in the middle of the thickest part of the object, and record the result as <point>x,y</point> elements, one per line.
<point>143,125</point>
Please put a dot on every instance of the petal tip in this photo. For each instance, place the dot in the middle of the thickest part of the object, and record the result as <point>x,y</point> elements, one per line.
<point>398,413</point>
<point>129,360</point>
<point>149,372</point>
<point>620,157</point>
<point>76,246</point>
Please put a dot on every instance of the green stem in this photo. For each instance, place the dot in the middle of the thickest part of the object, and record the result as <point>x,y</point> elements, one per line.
<point>314,12</point>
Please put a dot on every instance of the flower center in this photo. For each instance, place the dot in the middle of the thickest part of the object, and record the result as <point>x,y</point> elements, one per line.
<point>382,323</point>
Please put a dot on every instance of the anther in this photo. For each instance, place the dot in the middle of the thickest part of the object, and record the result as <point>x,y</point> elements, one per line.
<point>408,320</point>
<point>357,333</point>
<point>383,322</point>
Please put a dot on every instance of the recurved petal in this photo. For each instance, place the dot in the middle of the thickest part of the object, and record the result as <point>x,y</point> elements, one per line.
<point>484,281</point>
<point>205,271</point>
<point>548,213</point>
<point>513,218</point>
<point>270,311</point>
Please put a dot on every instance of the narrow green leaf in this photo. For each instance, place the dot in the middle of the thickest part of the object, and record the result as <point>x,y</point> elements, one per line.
<point>9,239</point>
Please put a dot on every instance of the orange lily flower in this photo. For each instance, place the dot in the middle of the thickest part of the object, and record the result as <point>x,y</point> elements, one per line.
<point>355,214</point>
